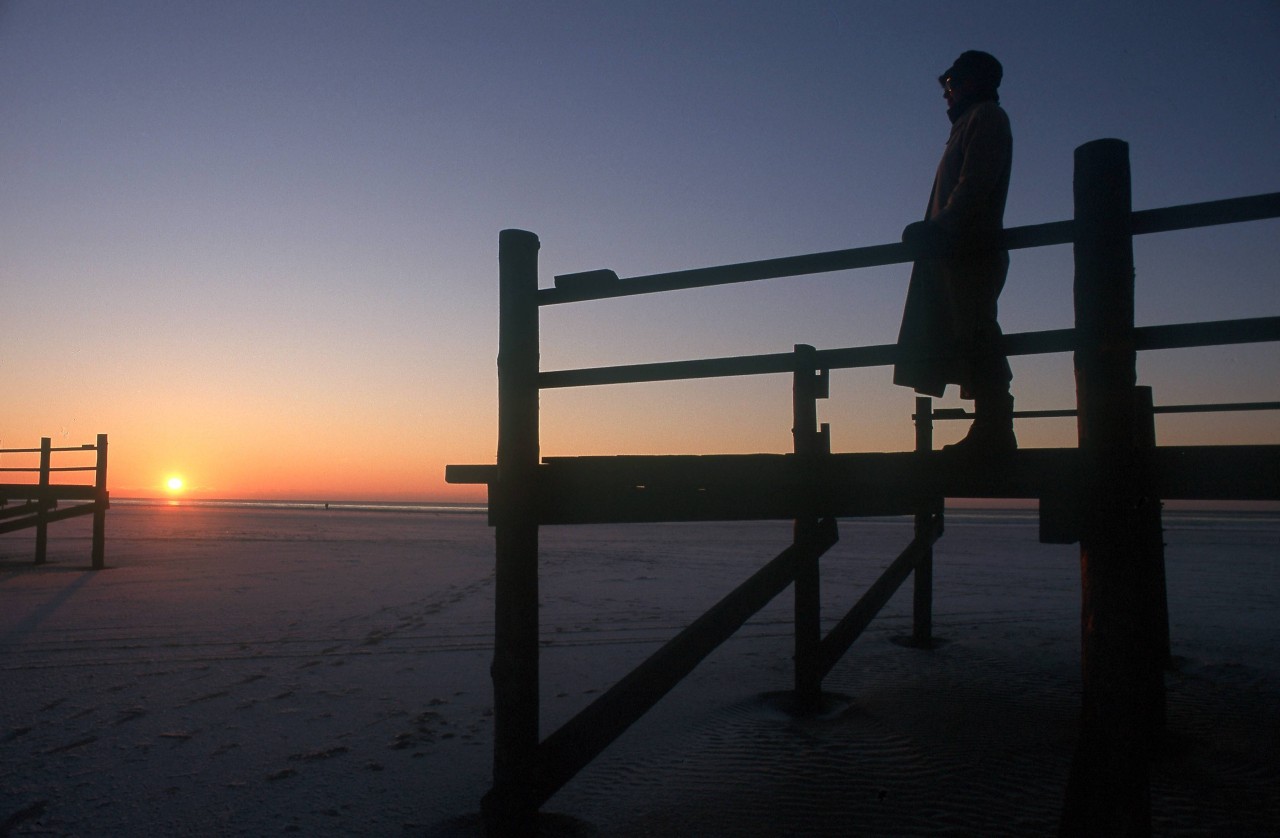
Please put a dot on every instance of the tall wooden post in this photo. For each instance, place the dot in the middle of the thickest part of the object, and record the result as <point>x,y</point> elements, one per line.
<point>100,505</point>
<point>509,808</point>
<point>1108,792</point>
<point>809,385</point>
<point>922,599</point>
<point>42,523</point>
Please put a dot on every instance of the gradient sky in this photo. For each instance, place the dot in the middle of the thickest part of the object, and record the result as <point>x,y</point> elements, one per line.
<point>256,242</point>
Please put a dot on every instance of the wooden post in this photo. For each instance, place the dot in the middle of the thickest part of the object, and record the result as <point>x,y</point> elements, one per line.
<point>1153,536</point>
<point>508,807</point>
<point>808,386</point>
<point>100,503</point>
<point>1108,792</point>
<point>922,600</point>
<point>42,523</point>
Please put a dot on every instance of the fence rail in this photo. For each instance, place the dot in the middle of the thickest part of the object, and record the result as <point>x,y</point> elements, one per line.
<point>604,284</point>
<point>1169,336</point>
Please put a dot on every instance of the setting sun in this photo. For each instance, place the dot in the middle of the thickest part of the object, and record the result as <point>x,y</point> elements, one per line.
<point>174,484</point>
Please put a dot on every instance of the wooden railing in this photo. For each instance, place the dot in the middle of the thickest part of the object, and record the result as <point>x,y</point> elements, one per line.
<point>1105,494</point>
<point>40,503</point>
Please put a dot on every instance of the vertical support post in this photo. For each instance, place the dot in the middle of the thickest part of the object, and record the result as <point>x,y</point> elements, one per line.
<point>100,505</point>
<point>1150,508</point>
<point>42,523</point>
<point>1108,791</point>
<point>922,599</point>
<point>809,385</point>
<point>509,808</point>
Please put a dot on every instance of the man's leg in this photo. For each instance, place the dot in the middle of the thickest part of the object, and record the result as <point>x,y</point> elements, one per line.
<point>974,286</point>
<point>989,376</point>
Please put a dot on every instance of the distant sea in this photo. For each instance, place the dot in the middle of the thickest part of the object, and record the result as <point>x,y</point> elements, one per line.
<point>305,505</point>
<point>1175,515</point>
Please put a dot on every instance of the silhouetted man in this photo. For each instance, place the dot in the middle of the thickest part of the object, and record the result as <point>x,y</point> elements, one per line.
<point>949,333</point>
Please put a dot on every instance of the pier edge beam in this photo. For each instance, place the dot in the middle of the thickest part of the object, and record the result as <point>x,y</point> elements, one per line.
<point>509,808</point>
<point>1108,790</point>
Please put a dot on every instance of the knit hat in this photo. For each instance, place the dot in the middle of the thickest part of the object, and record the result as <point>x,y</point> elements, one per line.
<point>980,68</point>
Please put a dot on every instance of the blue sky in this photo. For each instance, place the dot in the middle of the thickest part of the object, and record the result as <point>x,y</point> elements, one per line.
<point>256,242</point>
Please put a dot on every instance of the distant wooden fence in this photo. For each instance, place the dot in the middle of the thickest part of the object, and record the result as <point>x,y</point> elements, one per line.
<point>38,504</point>
<point>1105,494</point>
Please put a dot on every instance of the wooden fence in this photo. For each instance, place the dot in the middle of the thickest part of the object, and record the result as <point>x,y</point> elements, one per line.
<point>1105,494</point>
<point>38,504</point>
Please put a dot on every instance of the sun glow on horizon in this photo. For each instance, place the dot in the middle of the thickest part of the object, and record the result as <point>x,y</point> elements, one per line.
<point>174,484</point>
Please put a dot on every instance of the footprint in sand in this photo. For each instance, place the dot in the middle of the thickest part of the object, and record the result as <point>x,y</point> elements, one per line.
<point>71,746</point>
<point>425,730</point>
<point>316,756</point>
<point>129,714</point>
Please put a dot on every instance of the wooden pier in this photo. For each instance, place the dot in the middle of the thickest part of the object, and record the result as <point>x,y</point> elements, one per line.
<point>1104,494</point>
<point>36,505</point>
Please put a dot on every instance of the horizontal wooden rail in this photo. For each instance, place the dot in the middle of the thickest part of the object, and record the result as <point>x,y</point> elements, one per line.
<point>1170,336</point>
<point>1221,407</point>
<point>669,371</point>
<point>1206,214</point>
<point>949,413</point>
<point>812,263</point>
<point>88,446</point>
<point>1164,219</point>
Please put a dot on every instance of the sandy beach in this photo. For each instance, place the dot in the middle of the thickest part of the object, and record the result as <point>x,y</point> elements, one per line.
<point>248,671</point>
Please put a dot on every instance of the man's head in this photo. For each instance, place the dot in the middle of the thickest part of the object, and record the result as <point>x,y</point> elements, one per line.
<point>974,75</point>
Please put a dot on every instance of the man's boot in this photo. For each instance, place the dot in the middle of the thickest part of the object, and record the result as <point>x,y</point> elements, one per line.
<point>991,435</point>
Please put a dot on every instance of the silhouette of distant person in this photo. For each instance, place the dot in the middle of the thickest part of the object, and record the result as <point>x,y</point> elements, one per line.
<point>949,333</point>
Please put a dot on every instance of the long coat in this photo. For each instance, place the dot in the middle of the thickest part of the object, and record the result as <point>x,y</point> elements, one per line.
<point>950,311</point>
